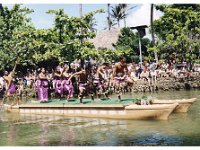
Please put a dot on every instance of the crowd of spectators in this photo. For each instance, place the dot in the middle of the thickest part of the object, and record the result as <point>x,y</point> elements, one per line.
<point>146,72</point>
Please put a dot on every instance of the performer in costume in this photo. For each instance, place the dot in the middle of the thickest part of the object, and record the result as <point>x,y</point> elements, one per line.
<point>99,80</point>
<point>57,82</point>
<point>10,83</point>
<point>42,86</point>
<point>67,83</point>
<point>119,75</point>
<point>83,76</point>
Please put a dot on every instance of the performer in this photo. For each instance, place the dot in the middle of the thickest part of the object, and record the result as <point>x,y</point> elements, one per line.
<point>119,75</point>
<point>67,83</point>
<point>30,79</point>
<point>42,86</point>
<point>83,76</point>
<point>10,83</point>
<point>57,82</point>
<point>100,79</point>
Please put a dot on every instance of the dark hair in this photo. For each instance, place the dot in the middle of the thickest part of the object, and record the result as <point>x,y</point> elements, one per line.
<point>122,57</point>
<point>39,70</point>
<point>78,69</point>
<point>87,66</point>
<point>105,64</point>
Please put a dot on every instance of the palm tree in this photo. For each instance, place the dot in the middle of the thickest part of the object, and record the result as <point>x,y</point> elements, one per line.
<point>91,24</point>
<point>109,20</point>
<point>117,14</point>
<point>120,12</point>
<point>81,10</point>
<point>112,24</point>
<point>81,16</point>
<point>152,32</point>
<point>125,8</point>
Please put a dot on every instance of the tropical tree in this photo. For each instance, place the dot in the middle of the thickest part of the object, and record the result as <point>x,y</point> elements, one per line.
<point>117,14</point>
<point>112,24</point>
<point>178,30</point>
<point>60,20</point>
<point>108,18</point>
<point>20,41</point>
<point>121,12</point>
<point>81,10</point>
<point>129,40</point>
<point>13,45</point>
<point>125,9</point>
<point>152,32</point>
<point>74,30</point>
<point>111,21</point>
<point>46,46</point>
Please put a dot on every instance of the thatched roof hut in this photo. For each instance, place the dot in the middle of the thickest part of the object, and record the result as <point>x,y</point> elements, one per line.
<point>106,39</point>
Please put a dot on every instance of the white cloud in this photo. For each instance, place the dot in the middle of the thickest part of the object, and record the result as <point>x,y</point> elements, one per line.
<point>142,17</point>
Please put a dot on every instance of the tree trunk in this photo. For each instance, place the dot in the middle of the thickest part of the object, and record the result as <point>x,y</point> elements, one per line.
<point>81,15</point>
<point>81,10</point>
<point>118,23</point>
<point>60,34</point>
<point>109,22</point>
<point>124,22</point>
<point>152,33</point>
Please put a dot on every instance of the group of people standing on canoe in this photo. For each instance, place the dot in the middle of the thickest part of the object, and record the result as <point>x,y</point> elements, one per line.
<point>84,78</point>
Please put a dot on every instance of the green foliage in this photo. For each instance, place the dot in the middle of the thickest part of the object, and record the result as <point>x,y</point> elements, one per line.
<point>119,12</point>
<point>178,30</point>
<point>67,40</point>
<point>130,40</point>
<point>73,34</point>
<point>15,31</point>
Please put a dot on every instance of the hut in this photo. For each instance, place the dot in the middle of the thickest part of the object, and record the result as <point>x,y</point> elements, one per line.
<point>106,39</point>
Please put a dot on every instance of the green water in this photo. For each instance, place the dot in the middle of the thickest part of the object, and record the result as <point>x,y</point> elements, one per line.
<point>182,129</point>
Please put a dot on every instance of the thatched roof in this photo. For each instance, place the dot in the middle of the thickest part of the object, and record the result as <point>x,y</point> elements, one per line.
<point>106,39</point>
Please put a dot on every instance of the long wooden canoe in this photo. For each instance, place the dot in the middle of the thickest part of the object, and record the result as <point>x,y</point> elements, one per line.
<point>183,104</point>
<point>114,111</point>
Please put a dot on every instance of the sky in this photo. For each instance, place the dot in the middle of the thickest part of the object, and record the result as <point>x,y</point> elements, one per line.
<point>140,15</point>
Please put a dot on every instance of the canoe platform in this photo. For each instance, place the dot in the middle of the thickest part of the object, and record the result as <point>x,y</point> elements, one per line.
<point>111,108</point>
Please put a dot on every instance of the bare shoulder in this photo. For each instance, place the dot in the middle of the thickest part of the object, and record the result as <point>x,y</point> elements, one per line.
<point>117,64</point>
<point>79,72</point>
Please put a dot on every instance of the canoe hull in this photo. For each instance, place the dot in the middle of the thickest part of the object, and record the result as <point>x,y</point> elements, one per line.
<point>141,112</point>
<point>183,104</point>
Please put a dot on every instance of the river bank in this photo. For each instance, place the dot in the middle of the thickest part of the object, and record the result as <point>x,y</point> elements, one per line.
<point>141,86</point>
<point>167,84</point>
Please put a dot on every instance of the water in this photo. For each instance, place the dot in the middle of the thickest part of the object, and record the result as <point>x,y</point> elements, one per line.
<point>182,129</point>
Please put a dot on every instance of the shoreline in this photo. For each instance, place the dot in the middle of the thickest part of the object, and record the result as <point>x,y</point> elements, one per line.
<point>168,84</point>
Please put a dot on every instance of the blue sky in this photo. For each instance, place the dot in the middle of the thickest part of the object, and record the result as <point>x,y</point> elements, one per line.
<point>42,20</point>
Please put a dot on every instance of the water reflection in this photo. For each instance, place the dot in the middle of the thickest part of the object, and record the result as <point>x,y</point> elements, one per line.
<point>44,130</point>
